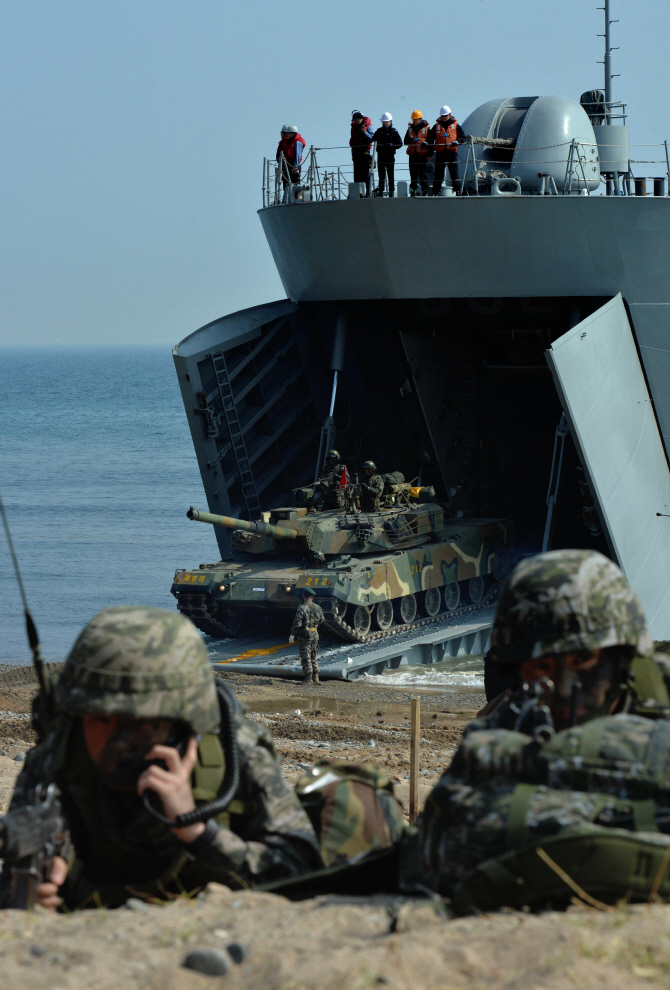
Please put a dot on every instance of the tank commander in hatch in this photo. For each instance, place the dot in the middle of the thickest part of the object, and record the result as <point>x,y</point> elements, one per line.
<point>334,475</point>
<point>308,618</point>
<point>372,488</point>
<point>544,765</point>
<point>144,742</point>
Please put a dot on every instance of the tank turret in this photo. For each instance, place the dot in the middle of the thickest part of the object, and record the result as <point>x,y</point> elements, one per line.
<point>373,573</point>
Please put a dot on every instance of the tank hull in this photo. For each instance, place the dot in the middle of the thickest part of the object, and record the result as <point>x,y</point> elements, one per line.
<point>424,583</point>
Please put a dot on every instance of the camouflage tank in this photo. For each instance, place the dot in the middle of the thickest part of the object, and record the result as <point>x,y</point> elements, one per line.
<point>373,573</point>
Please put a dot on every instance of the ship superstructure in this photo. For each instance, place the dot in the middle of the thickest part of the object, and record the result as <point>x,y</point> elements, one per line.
<point>510,345</point>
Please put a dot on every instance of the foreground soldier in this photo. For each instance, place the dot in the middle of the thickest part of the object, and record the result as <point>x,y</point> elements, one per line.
<point>572,637</point>
<point>308,618</point>
<point>330,479</point>
<point>145,734</point>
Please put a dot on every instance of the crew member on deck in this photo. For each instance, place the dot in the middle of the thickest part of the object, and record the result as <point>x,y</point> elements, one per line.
<point>388,141</point>
<point>291,146</point>
<point>444,137</point>
<point>419,152</point>
<point>360,143</point>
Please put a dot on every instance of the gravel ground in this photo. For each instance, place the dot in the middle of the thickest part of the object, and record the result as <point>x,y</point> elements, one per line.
<point>324,943</point>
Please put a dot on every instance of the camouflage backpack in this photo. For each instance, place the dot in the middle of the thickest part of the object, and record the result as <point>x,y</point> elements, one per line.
<point>352,809</point>
<point>516,822</point>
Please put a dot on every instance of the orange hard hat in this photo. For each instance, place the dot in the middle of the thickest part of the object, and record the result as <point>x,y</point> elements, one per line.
<point>417,115</point>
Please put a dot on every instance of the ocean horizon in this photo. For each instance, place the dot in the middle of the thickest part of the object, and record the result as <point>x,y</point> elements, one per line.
<point>97,470</point>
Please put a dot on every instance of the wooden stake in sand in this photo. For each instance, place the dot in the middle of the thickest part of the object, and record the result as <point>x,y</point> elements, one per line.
<point>414,739</point>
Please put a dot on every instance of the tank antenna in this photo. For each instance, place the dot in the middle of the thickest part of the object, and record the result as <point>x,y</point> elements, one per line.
<point>336,365</point>
<point>608,59</point>
<point>31,629</point>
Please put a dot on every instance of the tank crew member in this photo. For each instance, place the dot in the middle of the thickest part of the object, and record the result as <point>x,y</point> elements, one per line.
<point>573,637</point>
<point>360,142</point>
<point>444,137</point>
<point>145,733</point>
<point>372,488</point>
<point>388,141</point>
<point>419,152</point>
<point>331,478</point>
<point>291,146</point>
<point>308,618</point>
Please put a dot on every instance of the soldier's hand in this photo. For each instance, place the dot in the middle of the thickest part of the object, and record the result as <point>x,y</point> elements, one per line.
<point>47,892</point>
<point>291,638</point>
<point>173,786</point>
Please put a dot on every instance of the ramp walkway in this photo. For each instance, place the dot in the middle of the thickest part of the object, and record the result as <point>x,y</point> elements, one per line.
<point>458,637</point>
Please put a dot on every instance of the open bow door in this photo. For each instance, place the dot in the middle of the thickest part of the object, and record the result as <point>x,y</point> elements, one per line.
<point>604,394</point>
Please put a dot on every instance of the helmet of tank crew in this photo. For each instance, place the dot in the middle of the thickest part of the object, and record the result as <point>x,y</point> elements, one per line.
<point>566,601</point>
<point>139,662</point>
<point>369,466</point>
<point>333,455</point>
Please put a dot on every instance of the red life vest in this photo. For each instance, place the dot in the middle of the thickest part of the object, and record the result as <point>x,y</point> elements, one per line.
<point>287,147</point>
<point>446,137</point>
<point>421,148</point>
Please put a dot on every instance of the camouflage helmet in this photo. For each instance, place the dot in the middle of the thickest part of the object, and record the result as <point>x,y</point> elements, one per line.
<point>564,601</point>
<point>333,455</point>
<point>140,662</point>
<point>369,466</point>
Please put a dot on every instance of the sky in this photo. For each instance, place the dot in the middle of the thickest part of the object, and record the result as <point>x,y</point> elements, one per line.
<point>134,132</point>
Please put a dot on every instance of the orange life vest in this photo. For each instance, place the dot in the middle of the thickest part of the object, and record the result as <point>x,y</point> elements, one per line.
<point>445,137</point>
<point>421,148</point>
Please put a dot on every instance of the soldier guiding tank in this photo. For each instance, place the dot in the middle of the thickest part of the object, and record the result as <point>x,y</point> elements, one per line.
<point>308,618</point>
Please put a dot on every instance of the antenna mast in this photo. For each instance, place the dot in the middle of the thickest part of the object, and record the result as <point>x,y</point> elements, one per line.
<point>608,59</point>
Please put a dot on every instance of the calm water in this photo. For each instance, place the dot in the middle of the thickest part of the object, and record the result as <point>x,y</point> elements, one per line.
<point>97,470</point>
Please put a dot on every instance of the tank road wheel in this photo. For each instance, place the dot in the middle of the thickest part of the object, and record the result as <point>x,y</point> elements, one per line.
<point>384,615</point>
<point>405,609</point>
<point>452,596</point>
<point>476,589</point>
<point>432,601</point>
<point>340,608</point>
<point>361,620</point>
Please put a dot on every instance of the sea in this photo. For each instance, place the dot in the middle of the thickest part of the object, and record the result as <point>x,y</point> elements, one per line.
<point>97,470</point>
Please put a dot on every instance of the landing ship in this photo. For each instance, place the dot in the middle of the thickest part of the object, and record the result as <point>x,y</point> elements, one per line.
<point>516,354</point>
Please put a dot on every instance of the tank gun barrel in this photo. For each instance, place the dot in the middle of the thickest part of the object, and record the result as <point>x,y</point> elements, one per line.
<point>265,529</point>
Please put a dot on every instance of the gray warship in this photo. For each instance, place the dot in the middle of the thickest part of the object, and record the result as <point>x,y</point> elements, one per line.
<point>509,345</point>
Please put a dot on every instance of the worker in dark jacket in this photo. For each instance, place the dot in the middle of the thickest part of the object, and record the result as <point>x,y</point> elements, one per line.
<point>289,152</point>
<point>360,143</point>
<point>388,141</point>
<point>419,152</point>
<point>444,138</point>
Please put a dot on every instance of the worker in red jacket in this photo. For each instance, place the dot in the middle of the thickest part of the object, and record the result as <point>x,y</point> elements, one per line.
<point>360,143</point>
<point>444,138</point>
<point>419,152</point>
<point>291,147</point>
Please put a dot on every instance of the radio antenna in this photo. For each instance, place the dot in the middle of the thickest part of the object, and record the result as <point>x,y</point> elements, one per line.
<point>608,59</point>
<point>31,629</point>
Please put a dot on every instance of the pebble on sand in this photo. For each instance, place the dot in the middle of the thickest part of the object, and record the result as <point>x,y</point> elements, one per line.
<point>211,962</point>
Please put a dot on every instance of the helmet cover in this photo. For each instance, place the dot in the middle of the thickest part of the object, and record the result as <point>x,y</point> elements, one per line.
<point>139,662</point>
<point>566,601</point>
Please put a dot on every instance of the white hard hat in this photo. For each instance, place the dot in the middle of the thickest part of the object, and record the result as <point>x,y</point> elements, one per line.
<point>289,129</point>
<point>386,116</point>
<point>445,111</point>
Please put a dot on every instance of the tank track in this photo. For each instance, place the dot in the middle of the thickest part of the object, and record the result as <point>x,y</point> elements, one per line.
<point>198,609</point>
<point>344,631</point>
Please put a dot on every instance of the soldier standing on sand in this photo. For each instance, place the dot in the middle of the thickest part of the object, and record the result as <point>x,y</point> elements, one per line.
<point>308,618</point>
<point>144,744</point>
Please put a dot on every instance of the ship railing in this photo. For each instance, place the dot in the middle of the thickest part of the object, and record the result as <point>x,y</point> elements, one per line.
<point>317,183</point>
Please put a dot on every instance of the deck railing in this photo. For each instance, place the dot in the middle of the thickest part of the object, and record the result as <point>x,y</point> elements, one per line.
<point>478,174</point>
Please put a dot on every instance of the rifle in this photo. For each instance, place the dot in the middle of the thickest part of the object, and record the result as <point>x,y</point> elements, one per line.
<point>33,834</point>
<point>30,837</point>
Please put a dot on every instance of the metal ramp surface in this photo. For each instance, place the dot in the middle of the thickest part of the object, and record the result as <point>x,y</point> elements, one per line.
<point>346,661</point>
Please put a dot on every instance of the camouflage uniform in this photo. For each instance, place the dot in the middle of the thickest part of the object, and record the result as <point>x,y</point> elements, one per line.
<point>372,491</point>
<point>308,618</point>
<point>329,485</point>
<point>140,662</point>
<point>505,789</point>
